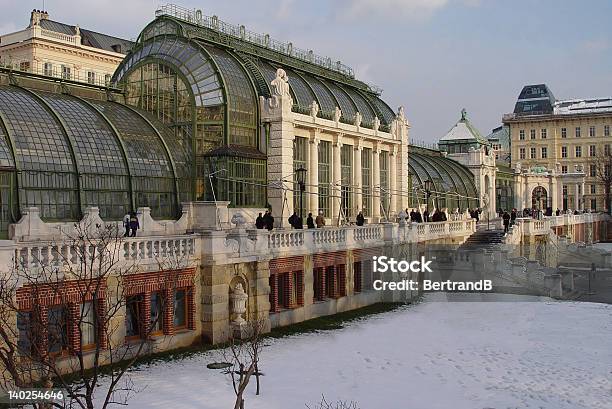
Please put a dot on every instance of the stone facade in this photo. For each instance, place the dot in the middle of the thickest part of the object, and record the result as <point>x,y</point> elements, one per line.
<point>53,53</point>
<point>285,126</point>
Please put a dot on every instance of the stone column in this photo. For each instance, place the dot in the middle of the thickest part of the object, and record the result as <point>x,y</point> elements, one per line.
<point>313,174</point>
<point>394,191</point>
<point>576,197</point>
<point>357,181</point>
<point>276,111</point>
<point>584,206</point>
<point>336,176</point>
<point>376,183</point>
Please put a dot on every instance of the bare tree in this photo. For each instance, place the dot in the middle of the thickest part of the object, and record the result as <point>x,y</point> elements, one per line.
<point>602,164</point>
<point>62,312</point>
<point>243,355</point>
<point>324,404</point>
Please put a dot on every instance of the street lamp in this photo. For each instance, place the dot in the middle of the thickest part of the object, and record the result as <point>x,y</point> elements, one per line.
<point>429,186</point>
<point>301,179</point>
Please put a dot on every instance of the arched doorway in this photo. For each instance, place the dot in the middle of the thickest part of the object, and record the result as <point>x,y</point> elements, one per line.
<point>539,198</point>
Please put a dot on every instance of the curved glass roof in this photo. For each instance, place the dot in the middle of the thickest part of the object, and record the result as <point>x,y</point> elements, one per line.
<point>303,92</point>
<point>190,60</point>
<point>327,102</point>
<point>448,177</point>
<point>96,147</point>
<point>239,88</point>
<point>308,82</point>
<point>6,156</point>
<point>72,153</point>
<point>346,104</point>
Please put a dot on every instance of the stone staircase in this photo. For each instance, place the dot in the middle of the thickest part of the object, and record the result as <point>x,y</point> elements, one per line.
<point>483,239</point>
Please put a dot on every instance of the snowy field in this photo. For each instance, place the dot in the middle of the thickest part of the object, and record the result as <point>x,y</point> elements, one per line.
<point>470,355</point>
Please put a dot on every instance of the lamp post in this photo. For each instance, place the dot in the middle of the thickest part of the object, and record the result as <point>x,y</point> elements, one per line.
<point>301,179</point>
<point>429,185</point>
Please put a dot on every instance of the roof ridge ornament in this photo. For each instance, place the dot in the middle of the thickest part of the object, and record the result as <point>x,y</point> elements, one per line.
<point>463,114</point>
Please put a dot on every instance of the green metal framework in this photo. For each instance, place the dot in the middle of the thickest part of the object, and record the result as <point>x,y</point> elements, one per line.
<point>453,184</point>
<point>62,154</point>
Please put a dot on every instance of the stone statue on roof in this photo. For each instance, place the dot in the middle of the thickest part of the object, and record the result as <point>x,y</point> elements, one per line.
<point>463,114</point>
<point>400,113</point>
<point>337,114</point>
<point>314,109</point>
<point>280,84</point>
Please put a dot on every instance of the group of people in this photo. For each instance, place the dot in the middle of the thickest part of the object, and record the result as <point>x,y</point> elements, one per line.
<point>415,216</point>
<point>266,221</point>
<point>131,224</point>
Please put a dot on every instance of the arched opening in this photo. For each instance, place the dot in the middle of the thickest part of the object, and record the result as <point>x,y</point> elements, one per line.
<point>539,198</point>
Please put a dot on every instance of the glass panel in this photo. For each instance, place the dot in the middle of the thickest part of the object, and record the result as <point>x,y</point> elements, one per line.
<point>324,177</point>
<point>180,308</point>
<point>57,329</point>
<point>88,324</point>
<point>346,174</point>
<point>242,103</point>
<point>387,113</point>
<point>133,316</point>
<point>300,146</point>
<point>156,313</point>
<point>190,61</point>
<point>384,181</point>
<point>153,181</point>
<point>6,157</point>
<point>346,105</point>
<point>44,155</point>
<point>366,180</point>
<point>99,154</point>
<point>363,107</point>
<point>302,91</point>
<point>326,100</point>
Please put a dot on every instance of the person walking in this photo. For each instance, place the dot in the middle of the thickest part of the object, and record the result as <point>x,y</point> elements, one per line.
<point>310,221</point>
<point>512,217</point>
<point>126,224</point>
<point>506,218</point>
<point>360,220</point>
<point>426,216</point>
<point>134,224</point>
<point>320,220</point>
<point>259,222</point>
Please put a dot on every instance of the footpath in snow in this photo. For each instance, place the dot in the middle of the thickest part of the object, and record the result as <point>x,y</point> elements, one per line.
<point>510,353</point>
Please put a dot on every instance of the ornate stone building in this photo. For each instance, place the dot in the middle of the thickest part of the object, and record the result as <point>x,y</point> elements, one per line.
<point>60,50</point>
<point>565,137</point>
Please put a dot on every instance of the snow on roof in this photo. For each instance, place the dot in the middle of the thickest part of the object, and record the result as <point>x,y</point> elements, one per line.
<point>463,130</point>
<point>582,106</point>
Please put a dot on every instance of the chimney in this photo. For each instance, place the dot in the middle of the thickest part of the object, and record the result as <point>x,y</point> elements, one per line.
<point>36,16</point>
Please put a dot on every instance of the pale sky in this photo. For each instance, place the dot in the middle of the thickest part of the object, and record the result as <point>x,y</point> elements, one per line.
<point>434,57</point>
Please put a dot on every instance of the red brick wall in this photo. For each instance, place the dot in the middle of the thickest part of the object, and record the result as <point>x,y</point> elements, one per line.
<point>328,259</point>
<point>39,298</point>
<point>285,265</point>
<point>165,282</point>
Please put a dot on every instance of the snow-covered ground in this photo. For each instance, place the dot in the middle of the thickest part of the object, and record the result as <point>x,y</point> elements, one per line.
<point>511,354</point>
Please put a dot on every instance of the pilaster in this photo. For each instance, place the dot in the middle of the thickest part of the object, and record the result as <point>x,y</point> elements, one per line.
<point>313,173</point>
<point>336,178</point>
<point>376,182</point>
<point>357,180</point>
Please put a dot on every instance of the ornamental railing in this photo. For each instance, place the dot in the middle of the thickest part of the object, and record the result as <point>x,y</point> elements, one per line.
<point>196,17</point>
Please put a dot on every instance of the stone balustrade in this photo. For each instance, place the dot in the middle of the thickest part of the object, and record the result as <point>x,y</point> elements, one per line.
<point>65,255</point>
